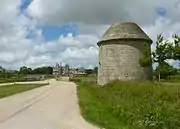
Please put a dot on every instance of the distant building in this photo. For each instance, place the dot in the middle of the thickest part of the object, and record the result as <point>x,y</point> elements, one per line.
<point>66,70</point>
<point>59,70</point>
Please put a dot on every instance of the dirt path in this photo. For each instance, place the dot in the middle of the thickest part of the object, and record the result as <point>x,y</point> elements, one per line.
<point>50,107</point>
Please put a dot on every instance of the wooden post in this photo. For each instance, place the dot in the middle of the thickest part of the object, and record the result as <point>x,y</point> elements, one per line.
<point>159,77</point>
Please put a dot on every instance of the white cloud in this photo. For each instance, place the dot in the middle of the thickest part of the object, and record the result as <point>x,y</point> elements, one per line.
<point>72,50</point>
<point>101,11</point>
<point>162,25</point>
<point>79,54</point>
<point>81,40</point>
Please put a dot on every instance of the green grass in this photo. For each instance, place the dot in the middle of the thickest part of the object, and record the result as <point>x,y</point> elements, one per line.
<point>174,78</point>
<point>17,88</point>
<point>130,105</point>
<point>8,80</point>
<point>85,79</point>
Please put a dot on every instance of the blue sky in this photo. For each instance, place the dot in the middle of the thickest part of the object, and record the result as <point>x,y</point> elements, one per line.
<point>25,4</point>
<point>50,31</point>
<point>161,11</point>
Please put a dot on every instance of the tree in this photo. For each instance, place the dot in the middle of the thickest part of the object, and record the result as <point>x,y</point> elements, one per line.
<point>166,50</point>
<point>95,70</point>
<point>163,51</point>
<point>24,70</point>
<point>146,59</point>
<point>29,71</point>
<point>165,70</point>
<point>89,71</point>
<point>176,48</point>
<point>43,70</point>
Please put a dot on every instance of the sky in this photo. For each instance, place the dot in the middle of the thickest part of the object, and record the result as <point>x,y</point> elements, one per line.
<point>39,33</point>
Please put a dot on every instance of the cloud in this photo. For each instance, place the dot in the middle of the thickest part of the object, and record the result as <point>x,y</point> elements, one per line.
<point>81,40</point>
<point>76,51</point>
<point>102,11</point>
<point>9,5</point>
<point>164,26</point>
<point>94,17</point>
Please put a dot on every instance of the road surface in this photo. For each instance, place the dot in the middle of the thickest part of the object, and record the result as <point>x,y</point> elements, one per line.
<point>54,106</point>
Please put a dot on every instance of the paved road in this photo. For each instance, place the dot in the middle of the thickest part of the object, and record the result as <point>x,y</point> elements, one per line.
<point>50,107</point>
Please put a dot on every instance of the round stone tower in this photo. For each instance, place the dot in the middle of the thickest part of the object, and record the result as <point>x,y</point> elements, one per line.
<point>120,50</point>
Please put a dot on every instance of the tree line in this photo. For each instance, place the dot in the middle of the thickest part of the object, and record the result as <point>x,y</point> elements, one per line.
<point>25,71</point>
<point>40,70</point>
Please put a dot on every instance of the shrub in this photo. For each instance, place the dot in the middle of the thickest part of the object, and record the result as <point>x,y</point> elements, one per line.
<point>74,79</point>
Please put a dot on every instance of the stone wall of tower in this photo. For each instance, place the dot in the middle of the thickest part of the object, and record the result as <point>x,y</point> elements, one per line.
<point>119,59</point>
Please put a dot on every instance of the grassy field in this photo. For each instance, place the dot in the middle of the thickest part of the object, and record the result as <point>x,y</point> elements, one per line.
<point>175,78</point>
<point>17,88</point>
<point>8,80</point>
<point>130,105</point>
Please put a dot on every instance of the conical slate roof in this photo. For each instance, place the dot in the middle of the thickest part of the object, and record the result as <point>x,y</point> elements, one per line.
<point>124,30</point>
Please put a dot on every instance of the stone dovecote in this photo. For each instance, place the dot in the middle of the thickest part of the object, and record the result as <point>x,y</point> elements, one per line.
<point>120,49</point>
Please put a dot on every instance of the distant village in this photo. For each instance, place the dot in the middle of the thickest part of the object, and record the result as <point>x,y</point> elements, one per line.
<point>57,71</point>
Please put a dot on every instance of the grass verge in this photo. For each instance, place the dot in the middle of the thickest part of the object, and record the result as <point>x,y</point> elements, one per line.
<point>8,90</point>
<point>130,105</point>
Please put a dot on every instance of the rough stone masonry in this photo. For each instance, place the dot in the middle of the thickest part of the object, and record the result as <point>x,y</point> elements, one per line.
<point>120,49</point>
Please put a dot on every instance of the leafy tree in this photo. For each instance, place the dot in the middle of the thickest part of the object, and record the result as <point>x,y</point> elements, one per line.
<point>95,70</point>
<point>163,51</point>
<point>24,70</point>
<point>165,70</point>
<point>89,71</point>
<point>176,48</point>
<point>43,70</point>
<point>146,59</point>
<point>29,70</point>
<point>166,50</point>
